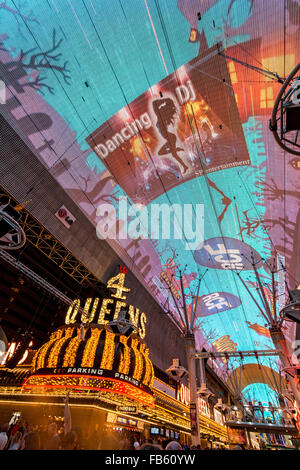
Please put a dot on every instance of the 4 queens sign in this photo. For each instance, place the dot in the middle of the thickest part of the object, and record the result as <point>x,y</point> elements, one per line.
<point>156,222</point>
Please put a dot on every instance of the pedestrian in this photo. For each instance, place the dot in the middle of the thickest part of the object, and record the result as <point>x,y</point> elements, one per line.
<point>16,441</point>
<point>173,445</point>
<point>136,443</point>
<point>148,446</point>
<point>69,441</point>
<point>52,438</point>
<point>4,436</point>
<point>32,441</point>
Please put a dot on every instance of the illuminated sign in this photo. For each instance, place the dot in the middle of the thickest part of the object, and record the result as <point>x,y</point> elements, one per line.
<point>81,383</point>
<point>203,407</point>
<point>193,418</point>
<point>90,371</point>
<point>110,307</point>
<point>183,394</point>
<point>121,420</point>
<point>132,422</point>
<point>10,352</point>
<point>127,409</point>
<point>218,417</point>
<point>165,277</point>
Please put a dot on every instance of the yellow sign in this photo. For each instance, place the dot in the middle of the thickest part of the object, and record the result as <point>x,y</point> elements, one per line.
<point>183,394</point>
<point>109,309</point>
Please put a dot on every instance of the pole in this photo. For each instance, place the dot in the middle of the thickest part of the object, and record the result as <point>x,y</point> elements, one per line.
<point>280,344</point>
<point>191,361</point>
<point>248,438</point>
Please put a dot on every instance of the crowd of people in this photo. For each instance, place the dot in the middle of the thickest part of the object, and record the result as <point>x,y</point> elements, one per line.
<point>54,436</point>
<point>25,436</point>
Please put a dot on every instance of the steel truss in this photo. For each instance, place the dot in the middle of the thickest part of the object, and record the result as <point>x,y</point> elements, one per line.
<point>34,277</point>
<point>240,354</point>
<point>45,242</point>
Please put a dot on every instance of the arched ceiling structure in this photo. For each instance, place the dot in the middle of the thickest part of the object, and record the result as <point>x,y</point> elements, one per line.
<point>253,373</point>
<point>134,99</point>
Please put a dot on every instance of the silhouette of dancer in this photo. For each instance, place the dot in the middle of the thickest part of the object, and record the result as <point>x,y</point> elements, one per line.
<point>165,111</point>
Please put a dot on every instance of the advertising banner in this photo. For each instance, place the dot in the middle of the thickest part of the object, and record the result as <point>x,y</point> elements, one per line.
<point>186,124</point>
<point>193,418</point>
<point>237,436</point>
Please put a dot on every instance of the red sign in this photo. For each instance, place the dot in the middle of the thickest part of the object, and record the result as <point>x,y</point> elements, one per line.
<point>193,418</point>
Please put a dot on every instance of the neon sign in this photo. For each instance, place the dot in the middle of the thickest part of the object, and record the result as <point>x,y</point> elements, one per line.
<point>10,352</point>
<point>183,394</point>
<point>110,307</point>
<point>204,407</point>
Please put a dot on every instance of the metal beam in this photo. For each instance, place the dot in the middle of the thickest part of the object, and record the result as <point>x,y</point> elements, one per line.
<point>266,73</point>
<point>35,278</point>
<point>262,427</point>
<point>45,242</point>
<point>241,354</point>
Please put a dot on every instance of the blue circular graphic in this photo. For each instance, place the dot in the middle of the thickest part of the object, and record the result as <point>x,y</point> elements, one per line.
<point>227,253</point>
<point>216,302</point>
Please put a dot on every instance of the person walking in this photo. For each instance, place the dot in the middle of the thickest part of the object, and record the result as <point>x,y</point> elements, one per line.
<point>52,439</point>
<point>16,441</point>
<point>4,436</point>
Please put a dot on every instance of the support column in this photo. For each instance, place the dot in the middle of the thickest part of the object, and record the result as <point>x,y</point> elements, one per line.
<point>280,344</point>
<point>191,361</point>
<point>202,372</point>
<point>248,438</point>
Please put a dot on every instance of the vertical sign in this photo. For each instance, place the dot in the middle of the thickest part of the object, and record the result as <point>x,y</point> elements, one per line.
<point>193,418</point>
<point>281,281</point>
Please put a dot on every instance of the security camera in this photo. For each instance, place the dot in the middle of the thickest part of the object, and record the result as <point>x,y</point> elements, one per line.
<point>176,370</point>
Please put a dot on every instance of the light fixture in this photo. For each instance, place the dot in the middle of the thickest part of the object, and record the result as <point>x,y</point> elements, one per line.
<point>176,370</point>
<point>204,392</point>
<point>12,236</point>
<point>122,325</point>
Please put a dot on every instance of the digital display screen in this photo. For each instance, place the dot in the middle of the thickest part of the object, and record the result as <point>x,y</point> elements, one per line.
<point>154,430</point>
<point>121,420</point>
<point>159,133</point>
<point>118,137</point>
<point>132,422</point>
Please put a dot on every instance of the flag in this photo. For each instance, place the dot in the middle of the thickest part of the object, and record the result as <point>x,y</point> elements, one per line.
<point>67,416</point>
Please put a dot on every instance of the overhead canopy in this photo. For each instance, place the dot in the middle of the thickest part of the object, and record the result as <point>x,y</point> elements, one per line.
<point>137,99</point>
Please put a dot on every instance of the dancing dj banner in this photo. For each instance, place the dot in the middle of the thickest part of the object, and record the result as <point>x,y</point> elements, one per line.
<point>185,125</point>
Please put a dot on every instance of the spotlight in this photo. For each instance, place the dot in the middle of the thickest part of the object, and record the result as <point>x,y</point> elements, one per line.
<point>204,392</point>
<point>121,326</point>
<point>176,370</point>
<point>12,235</point>
<point>292,310</point>
<point>292,117</point>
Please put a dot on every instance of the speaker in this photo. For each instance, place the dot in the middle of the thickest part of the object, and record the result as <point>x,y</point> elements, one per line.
<point>293,314</point>
<point>292,117</point>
